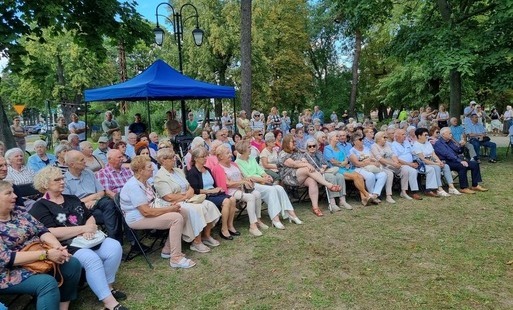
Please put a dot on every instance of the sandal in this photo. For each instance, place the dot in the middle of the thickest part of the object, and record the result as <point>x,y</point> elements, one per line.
<point>335,188</point>
<point>317,212</point>
<point>184,263</point>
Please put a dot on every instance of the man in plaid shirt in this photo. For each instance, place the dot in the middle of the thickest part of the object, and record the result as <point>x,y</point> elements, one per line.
<point>114,176</point>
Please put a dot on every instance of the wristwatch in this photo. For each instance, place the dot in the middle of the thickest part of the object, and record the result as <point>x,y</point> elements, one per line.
<point>43,255</point>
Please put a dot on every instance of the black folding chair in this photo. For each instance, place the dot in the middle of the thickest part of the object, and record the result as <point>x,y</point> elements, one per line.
<point>131,254</point>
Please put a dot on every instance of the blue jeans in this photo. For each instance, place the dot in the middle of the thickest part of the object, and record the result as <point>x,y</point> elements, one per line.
<point>44,286</point>
<point>491,145</point>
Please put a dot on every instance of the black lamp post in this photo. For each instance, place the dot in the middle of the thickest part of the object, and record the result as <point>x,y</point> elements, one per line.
<point>178,21</point>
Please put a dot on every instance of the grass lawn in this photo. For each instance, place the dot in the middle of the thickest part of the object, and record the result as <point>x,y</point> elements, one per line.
<point>438,253</point>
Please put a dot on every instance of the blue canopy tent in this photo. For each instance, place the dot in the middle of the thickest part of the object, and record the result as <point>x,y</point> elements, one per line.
<point>159,82</point>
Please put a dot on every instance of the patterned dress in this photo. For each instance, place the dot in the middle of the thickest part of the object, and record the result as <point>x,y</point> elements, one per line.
<point>15,234</point>
<point>288,174</point>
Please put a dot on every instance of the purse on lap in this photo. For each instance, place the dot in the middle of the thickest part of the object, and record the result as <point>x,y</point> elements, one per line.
<point>83,243</point>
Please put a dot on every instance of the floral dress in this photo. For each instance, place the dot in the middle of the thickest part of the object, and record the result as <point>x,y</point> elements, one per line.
<point>70,213</point>
<point>15,234</point>
<point>288,174</point>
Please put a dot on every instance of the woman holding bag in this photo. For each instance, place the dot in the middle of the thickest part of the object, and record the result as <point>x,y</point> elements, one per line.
<point>19,229</point>
<point>67,217</point>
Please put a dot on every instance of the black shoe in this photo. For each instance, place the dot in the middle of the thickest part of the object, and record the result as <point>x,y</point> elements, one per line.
<point>234,233</point>
<point>224,237</point>
<point>118,307</point>
<point>119,295</point>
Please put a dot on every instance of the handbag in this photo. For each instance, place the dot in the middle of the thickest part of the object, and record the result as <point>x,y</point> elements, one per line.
<point>197,198</point>
<point>83,243</point>
<point>246,189</point>
<point>159,203</point>
<point>373,168</point>
<point>42,266</point>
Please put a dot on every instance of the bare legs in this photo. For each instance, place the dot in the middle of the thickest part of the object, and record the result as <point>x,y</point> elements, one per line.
<point>359,183</point>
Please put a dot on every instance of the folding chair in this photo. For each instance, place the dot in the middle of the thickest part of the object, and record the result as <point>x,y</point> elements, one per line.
<point>130,254</point>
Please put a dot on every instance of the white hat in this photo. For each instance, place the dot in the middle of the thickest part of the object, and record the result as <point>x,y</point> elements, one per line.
<point>299,125</point>
<point>103,139</point>
<point>472,102</point>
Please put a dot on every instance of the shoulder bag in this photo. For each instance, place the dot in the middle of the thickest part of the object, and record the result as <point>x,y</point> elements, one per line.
<point>42,266</point>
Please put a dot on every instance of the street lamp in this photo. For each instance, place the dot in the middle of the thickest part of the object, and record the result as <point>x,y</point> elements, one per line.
<point>178,21</point>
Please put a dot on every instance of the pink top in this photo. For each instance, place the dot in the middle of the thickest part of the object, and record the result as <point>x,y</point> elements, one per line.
<point>211,162</point>
<point>221,174</point>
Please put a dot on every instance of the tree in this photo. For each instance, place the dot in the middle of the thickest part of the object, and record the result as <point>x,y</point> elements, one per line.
<point>245,54</point>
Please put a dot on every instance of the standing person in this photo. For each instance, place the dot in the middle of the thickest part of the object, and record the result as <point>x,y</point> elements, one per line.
<point>109,125</point>
<point>78,127</point>
<point>227,122</point>
<point>243,124</point>
<point>137,127</point>
<point>273,120</point>
<point>19,229</point>
<point>318,114</point>
<point>495,123</point>
<point>61,131</point>
<point>172,126</point>
<point>256,122</point>
<point>192,124</point>
<point>285,122</point>
<point>19,133</point>
<point>508,117</point>
<point>442,117</point>
<point>468,111</point>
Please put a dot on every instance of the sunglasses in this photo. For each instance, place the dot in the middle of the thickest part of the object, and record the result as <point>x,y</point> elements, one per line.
<point>312,146</point>
<point>257,115</point>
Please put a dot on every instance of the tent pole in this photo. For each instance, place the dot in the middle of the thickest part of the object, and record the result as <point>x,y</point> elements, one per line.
<point>234,118</point>
<point>148,111</point>
<point>86,120</point>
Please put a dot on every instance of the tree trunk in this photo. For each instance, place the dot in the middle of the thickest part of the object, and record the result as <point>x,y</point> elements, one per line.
<point>66,106</point>
<point>455,84</point>
<point>356,60</point>
<point>122,71</point>
<point>434,89</point>
<point>245,47</point>
<point>5,131</point>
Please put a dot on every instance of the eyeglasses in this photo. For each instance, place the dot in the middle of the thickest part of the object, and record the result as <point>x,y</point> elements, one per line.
<point>257,115</point>
<point>312,146</point>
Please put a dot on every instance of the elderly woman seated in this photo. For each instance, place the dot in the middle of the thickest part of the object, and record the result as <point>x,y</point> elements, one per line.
<point>92,162</point>
<point>368,166</point>
<point>383,153</point>
<point>67,217</point>
<point>273,195</point>
<point>60,152</point>
<point>269,157</point>
<point>172,186</point>
<point>17,172</point>
<point>316,158</point>
<point>40,159</point>
<point>295,170</point>
<point>201,180</point>
<point>136,200</point>
<point>229,177</point>
<point>425,152</point>
<point>18,229</point>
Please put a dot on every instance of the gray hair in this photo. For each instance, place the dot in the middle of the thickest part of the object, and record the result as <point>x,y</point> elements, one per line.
<point>84,143</point>
<point>445,129</point>
<point>39,143</point>
<point>71,136</point>
<point>269,137</point>
<point>311,141</point>
<point>61,148</point>
<point>12,152</point>
<point>332,134</point>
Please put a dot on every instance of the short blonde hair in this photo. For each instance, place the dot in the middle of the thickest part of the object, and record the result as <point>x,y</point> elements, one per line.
<point>242,146</point>
<point>165,153</point>
<point>139,163</point>
<point>44,176</point>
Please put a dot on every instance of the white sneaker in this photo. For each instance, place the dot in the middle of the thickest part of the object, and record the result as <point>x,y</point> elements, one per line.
<point>200,247</point>
<point>454,191</point>
<point>405,196</point>
<point>335,208</point>
<point>443,193</point>
<point>346,206</point>
<point>389,199</point>
<point>210,242</point>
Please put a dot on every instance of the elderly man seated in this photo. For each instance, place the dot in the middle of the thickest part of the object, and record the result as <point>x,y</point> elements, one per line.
<point>82,183</point>
<point>450,151</point>
<point>476,133</point>
<point>458,135</point>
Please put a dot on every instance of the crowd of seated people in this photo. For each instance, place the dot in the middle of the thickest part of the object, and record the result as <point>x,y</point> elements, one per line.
<point>188,196</point>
